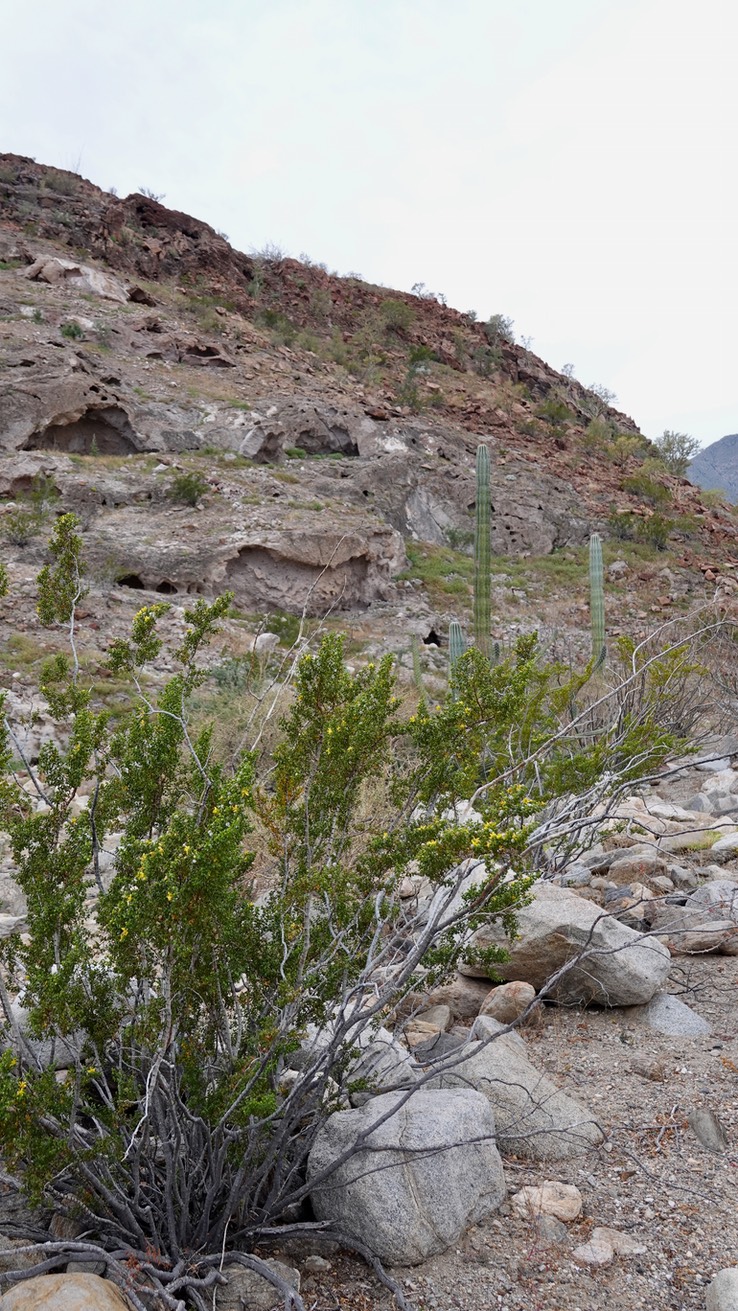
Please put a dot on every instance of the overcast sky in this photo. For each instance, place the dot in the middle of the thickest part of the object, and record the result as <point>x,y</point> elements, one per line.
<point>569,163</point>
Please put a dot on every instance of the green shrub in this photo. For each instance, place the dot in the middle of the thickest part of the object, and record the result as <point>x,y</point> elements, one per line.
<point>676,451</point>
<point>624,526</point>
<point>499,328</point>
<point>187,488</point>
<point>655,530</point>
<point>396,315</point>
<point>647,489</point>
<point>174,1131</point>
<point>72,330</point>
<point>63,183</point>
<point>30,514</point>
<point>598,435</point>
<point>283,330</point>
<point>554,411</point>
<point>295,453</point>
<point>286,626</point>
<point>651,530</point>
<point>485,360</point>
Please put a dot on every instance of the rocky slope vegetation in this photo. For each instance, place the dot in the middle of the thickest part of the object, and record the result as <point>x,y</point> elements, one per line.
<point>219,420</point>
<point>307,440</point>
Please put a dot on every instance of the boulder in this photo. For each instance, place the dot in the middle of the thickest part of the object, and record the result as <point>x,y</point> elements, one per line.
<point>464,996</point>
<point>65,1293</point>
<point>725,848</point>
<point>247,1289</point>
<point>716,900</point>
<point>576,875</point>
<point>80,276</point>
<point>508,1002</point>
<point>668,1015</point>
<point>700,939</point>
<point>722,1291</point>
<point>564,1201</point>
<point>417,1180</point>
<point>438,1018</point>
<point>384,1064</point>
<point>604,1245</point>
<point>706,1126</point>
<point>534,1118</point>
<point>608,963</point>
<point>639,867</point>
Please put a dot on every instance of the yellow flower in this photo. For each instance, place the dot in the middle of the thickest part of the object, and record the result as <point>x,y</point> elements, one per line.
<point>92,1070</point>
<point>123,933</point>
<point>170,896</point>
<point>186,848</point>
<point>21,1088</point>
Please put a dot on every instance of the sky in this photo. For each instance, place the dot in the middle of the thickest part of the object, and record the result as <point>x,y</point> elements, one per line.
<point>568,163</point>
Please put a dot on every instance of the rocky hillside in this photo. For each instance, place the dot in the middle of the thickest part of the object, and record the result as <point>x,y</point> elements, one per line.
<point>716,467</point>
<point>221,420</point>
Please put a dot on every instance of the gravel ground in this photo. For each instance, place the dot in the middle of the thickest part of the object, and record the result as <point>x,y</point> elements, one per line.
<point>653,1179</point>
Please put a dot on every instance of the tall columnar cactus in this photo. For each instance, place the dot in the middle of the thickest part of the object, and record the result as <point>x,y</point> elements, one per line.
<point>482,586</point>
<point>597,598</point>
<point>456,644</point>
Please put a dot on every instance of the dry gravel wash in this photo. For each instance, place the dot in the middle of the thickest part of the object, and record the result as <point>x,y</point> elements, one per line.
<point>653,1179</point>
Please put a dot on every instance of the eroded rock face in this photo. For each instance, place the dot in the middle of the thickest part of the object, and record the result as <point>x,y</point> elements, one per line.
<point>296,565</point>
<point>100,429</point>
<point>311,574</point>
<point>80,276</point>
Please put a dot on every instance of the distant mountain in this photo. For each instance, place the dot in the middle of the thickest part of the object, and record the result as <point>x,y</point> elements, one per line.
<point>717,466</point>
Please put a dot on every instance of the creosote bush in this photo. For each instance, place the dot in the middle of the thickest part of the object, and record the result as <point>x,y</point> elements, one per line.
<point>187,488</point>
<point>195,1043</point>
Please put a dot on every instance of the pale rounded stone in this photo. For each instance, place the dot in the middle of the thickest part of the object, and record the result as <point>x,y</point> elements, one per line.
<point>417,1180</point>
<point>629,869</point>
<point>722,1291</point>
<point>437,1017</point>
<point>701,939</point>
<point>593,1254</point>
<point>65,1293</point>
<point>622,1244</point>
<point>247,1288</point>
<point>507,1002</point>
<point>534,1118</point>
<point>564,1201</point>
<point>608,963</point>
<point>463,995</point>
<point>668,1015</point>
